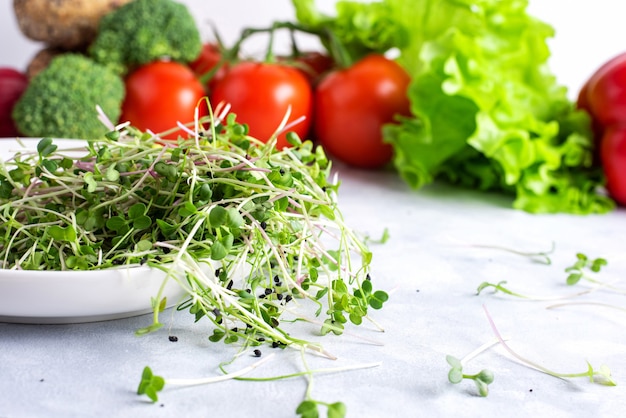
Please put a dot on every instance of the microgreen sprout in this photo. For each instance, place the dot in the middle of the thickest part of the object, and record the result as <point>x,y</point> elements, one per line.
<point>500,287</point>
<point>579,269</point>
<point>587,303</point>
<point>151,384</point>
<point>309,407</point>
<point>538,256</point>
<point>602,375</point>
<point>482,379</point>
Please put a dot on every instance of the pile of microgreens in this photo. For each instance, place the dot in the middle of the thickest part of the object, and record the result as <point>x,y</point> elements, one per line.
<point>253,234</point>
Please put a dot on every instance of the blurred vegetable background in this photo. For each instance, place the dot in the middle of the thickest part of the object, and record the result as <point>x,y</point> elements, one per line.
<point>473,100</point>
<point>575,52</point>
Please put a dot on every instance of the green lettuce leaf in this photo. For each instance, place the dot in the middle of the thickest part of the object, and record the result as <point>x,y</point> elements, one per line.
<point>488,112</point>
<point>356,29</point>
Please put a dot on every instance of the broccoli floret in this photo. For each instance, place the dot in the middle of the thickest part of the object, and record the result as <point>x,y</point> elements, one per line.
<point>61,100</point>
<point>143,31</point>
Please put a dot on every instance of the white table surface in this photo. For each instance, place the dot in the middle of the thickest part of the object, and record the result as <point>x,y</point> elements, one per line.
<point>93,369</point>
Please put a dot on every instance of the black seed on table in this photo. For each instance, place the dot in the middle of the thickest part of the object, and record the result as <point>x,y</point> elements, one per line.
<point>268,291</point>
<point>257,353</point>
<point>173,338</point>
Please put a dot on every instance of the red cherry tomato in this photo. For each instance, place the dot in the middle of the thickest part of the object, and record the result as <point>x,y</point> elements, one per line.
<point>12,85</point>
<point>260,95</point>
<point>160,94</point>
<point>352,105</point>
<point>613,156</point>
<point>205,65</point>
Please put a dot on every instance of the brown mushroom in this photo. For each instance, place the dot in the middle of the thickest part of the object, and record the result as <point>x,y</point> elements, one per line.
<point>65,24</point>
<point>41,60</point>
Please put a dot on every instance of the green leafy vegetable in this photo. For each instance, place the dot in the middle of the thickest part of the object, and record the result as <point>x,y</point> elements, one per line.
<point>487,112</point>
<point>357,29</point>
<point>61,100</point>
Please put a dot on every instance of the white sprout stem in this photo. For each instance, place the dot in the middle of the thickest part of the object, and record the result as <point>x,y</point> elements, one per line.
<point>520,358</point>
<point>283,123</point>
<point>480,350</point>
<point>216,379</point>
<point>590,303</point>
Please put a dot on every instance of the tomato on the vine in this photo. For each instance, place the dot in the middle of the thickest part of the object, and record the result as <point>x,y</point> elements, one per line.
<point>160,94</point>
<point>206,65</point>
<point>353,104</point>
<point>260,94</point>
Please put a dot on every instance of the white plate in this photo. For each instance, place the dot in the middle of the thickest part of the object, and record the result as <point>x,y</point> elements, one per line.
<point>60,297</point>
<point>54,297</point>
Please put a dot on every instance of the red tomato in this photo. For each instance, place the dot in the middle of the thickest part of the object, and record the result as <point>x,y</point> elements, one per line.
<point>613,155</point>
<point>604,95</point>
<point>160,94</point>
<point>260,95</point>
<point>313,64</point>
<point>12,85</point>
<point>204,66</point>
<point>352,105</point>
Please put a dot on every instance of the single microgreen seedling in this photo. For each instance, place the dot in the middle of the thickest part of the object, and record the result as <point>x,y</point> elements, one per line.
<point>500,287</point>
<point>482,379</point>
<point>583,264</point>
<point>151,384</point>
<point>601,375</point>
<point>537,256</point>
